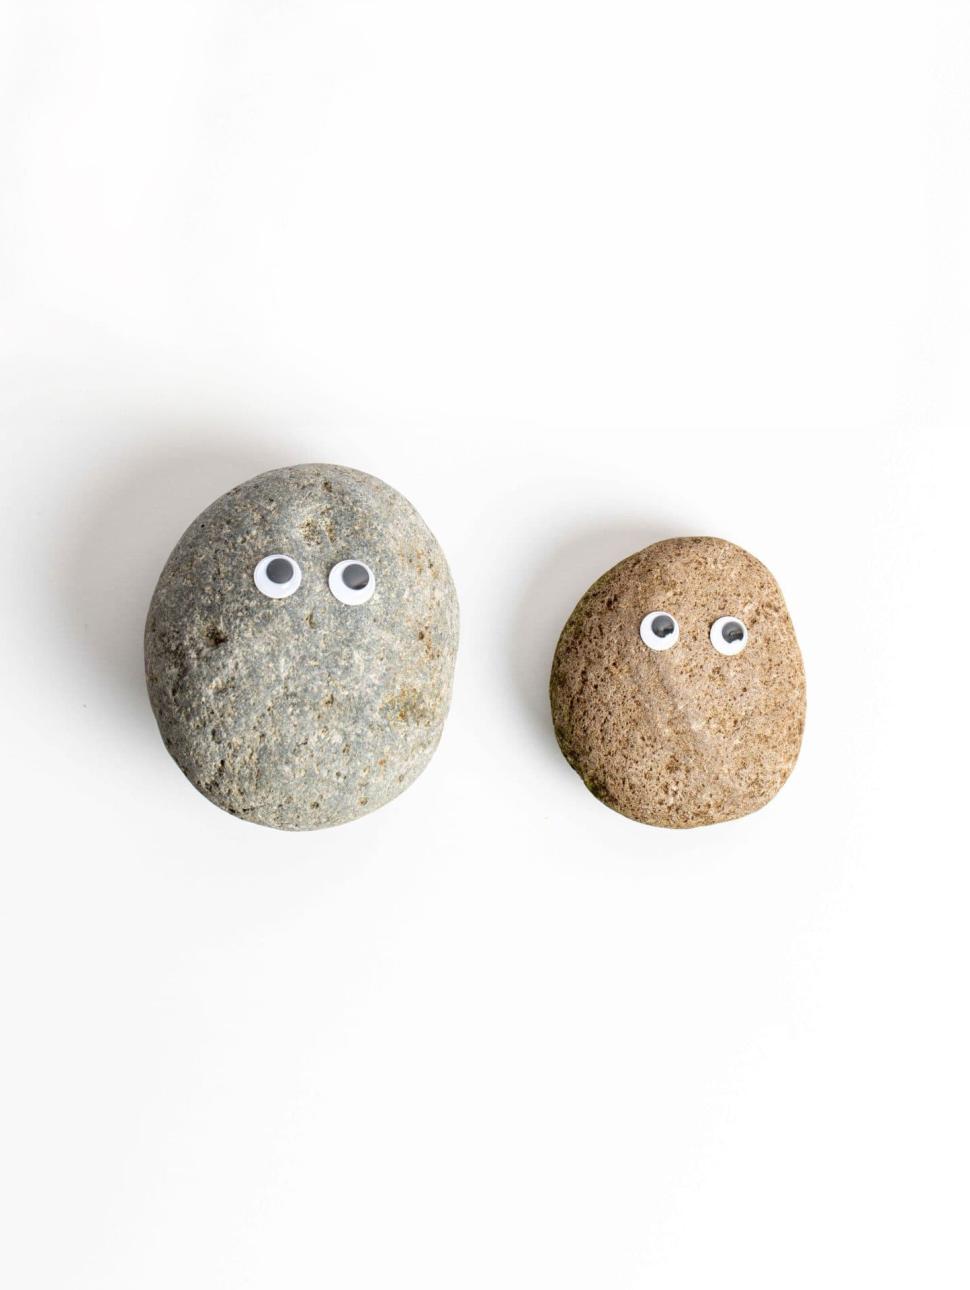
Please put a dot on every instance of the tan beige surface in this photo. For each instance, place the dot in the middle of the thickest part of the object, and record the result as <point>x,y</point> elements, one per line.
<point>686,736</point>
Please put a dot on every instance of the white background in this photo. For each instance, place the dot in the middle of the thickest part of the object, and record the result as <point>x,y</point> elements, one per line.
<point>573,277</point>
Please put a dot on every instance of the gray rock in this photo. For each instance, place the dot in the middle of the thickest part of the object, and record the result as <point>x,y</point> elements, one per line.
<point>301,711</point>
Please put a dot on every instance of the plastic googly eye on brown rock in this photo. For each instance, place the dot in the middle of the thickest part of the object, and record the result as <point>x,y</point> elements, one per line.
<point>659,630</point>
<point>729,635</point>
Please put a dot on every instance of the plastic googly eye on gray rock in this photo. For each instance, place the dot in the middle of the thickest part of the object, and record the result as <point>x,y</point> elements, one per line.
<point>277,576</point>
<point>659,630</point>
<point>352,582</point>
<point>729,635</point>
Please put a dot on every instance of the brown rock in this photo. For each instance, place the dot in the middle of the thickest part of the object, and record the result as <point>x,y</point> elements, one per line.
<point>685,735</point>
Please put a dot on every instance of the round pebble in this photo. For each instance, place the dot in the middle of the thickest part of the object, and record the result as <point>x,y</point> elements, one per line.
<point>677,688</point>
<point>300,647</point>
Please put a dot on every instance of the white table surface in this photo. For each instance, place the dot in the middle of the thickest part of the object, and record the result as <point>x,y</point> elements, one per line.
<point>573,277</point>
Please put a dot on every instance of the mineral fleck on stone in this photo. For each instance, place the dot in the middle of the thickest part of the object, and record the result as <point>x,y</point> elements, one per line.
<point>684,735</point>
<point>303,708</point>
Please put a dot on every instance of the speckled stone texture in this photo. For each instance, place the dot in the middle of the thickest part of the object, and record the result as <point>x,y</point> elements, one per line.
<point>304,712</point>
<point>686,736</point>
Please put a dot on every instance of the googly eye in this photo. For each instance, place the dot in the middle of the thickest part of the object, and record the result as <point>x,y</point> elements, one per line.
<point>729,635</point>
<point>352,582</point>
<point>659,630</point>
<point>277,576</point>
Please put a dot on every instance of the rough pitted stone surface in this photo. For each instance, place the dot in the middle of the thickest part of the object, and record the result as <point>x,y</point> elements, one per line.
<point>686,736</point>
<point>303,712</point>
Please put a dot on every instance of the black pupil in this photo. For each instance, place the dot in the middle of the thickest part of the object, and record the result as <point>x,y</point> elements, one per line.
<point>732,632</point>
<point>356,577</point>
<point>662,625</point>
<point>279,570</point>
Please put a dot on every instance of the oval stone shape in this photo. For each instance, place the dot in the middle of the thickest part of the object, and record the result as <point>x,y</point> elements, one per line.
<point>285,700</point>
<point>690,734</point>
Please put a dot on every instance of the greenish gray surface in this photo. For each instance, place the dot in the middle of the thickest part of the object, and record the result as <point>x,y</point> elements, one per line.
<point>301,713</point>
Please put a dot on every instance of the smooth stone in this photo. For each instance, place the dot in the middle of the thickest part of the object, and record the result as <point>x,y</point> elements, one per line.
<point>686,736</point>
<point>303,712</point>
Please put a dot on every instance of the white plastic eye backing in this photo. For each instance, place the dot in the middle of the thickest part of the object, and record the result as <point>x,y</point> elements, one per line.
<point>660,630</point>
<point>352,582</point>
<point>277,576</point>
<point>729,635</point>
